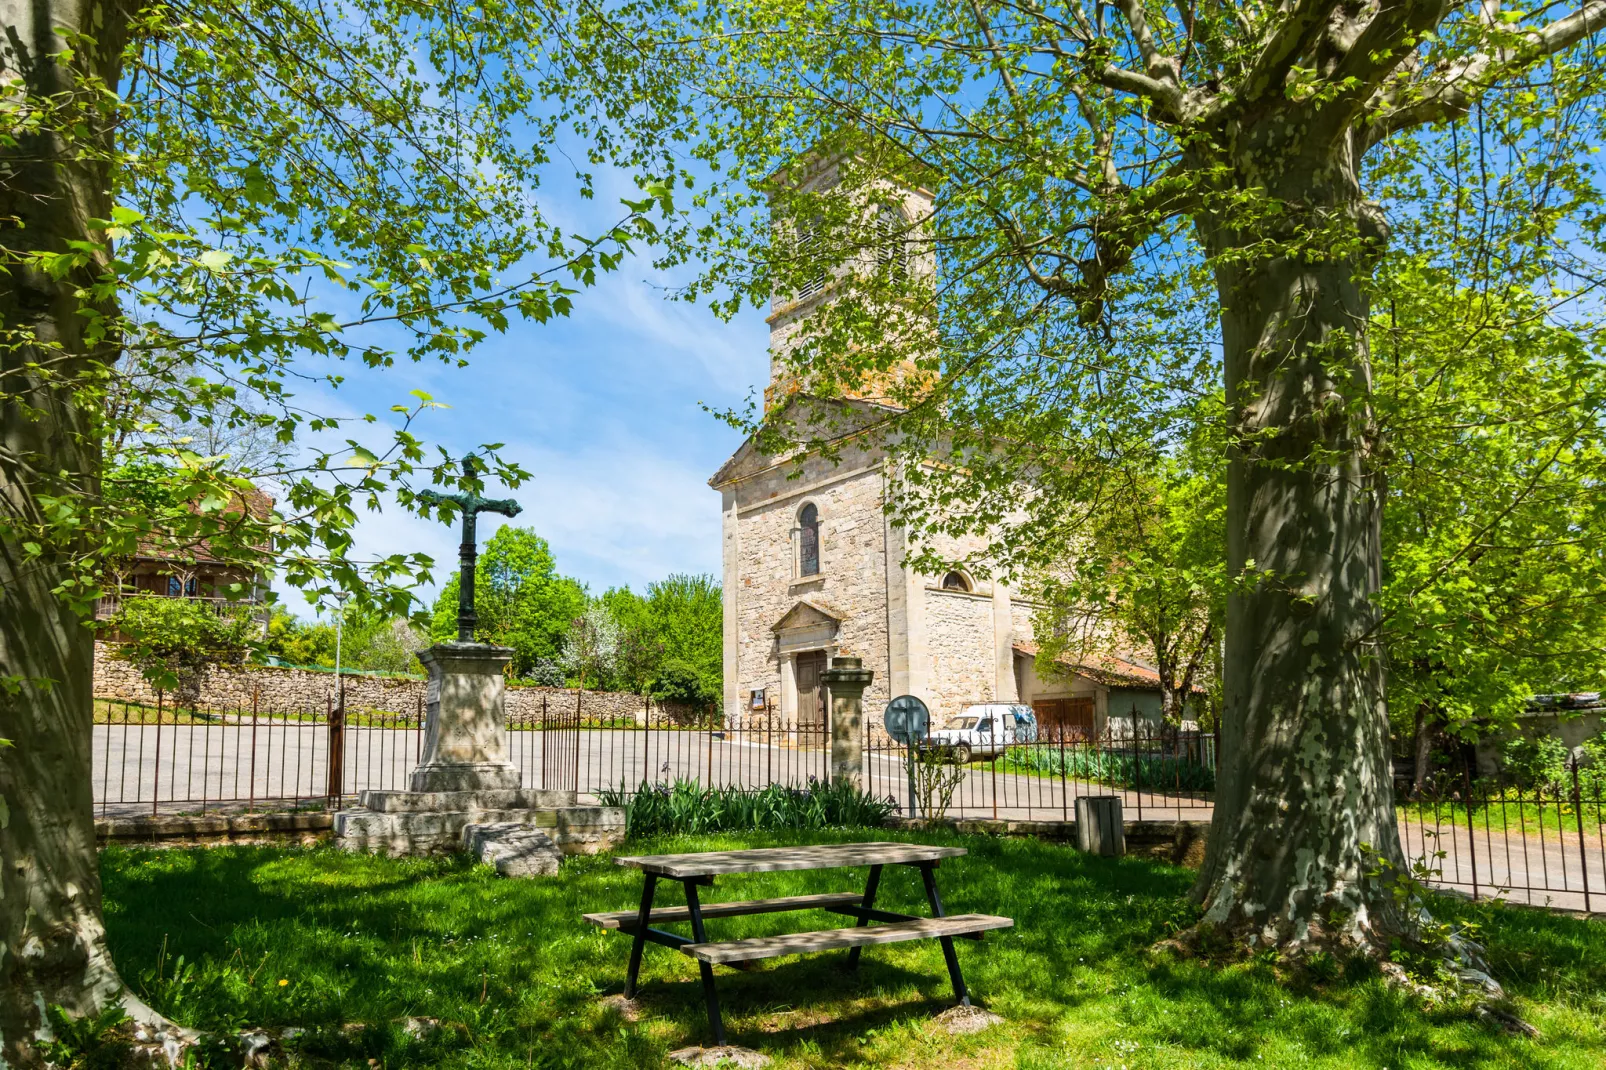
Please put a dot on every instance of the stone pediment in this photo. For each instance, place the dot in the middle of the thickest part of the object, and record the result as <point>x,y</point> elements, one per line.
<point>807,613</point>
<point>844,417</point>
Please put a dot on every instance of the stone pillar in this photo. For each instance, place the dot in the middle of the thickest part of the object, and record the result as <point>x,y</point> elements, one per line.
<point>465,727</point>
<point>847,678</point>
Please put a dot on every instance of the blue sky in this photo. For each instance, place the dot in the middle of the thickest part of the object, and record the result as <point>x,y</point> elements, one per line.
<point>603,407</point>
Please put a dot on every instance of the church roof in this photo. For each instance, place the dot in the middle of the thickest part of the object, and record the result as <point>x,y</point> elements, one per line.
<point>1111,670</point>
<point>748,460</point>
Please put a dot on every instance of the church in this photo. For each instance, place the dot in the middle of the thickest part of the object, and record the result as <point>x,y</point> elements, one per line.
<point>813,567</point>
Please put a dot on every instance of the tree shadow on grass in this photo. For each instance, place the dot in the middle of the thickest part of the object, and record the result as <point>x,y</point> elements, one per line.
<point>314,938</point>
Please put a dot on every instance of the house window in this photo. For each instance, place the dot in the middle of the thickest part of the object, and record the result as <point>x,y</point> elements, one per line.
<point>177,588</point>
<point>956,581</point>
<point>808,541</point>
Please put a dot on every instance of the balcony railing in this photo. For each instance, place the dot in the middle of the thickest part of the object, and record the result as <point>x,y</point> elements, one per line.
<point>110,605</point>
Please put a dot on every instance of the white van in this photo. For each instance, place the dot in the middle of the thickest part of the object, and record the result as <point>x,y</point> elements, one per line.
<point>984,730</point>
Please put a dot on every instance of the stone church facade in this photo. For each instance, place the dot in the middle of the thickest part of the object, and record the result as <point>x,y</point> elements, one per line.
<point>812,567</point>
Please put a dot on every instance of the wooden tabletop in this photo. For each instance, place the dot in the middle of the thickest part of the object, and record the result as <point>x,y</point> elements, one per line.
<point>775,859</point>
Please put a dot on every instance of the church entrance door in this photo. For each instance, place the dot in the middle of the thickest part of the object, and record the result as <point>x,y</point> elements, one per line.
<point>811,692</point>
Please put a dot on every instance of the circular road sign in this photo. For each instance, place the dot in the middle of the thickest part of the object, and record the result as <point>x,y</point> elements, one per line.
<point>907,719</point>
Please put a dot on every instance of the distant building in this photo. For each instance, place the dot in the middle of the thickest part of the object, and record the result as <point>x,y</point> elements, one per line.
<point>190,571</point>
<point>812,567</point>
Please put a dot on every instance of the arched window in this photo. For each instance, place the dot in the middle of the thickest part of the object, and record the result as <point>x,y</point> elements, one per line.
<point>956,581</point>
<point>808,541</point>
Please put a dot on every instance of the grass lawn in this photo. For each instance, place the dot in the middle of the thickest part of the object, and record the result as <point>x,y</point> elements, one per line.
<point>230,937</point>
<point>1522,815</point>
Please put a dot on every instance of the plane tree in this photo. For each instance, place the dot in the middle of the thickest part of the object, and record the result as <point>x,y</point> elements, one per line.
<point>208,212</point>
<point>1133,205</point>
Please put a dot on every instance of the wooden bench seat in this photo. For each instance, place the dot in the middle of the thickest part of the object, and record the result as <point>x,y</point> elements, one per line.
<point>626,919</point>
<point>769,947</point>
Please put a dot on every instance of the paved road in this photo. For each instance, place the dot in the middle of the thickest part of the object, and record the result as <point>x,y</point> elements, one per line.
<point>233,764</point>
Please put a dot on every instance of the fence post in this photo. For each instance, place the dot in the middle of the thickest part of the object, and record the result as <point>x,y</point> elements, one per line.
<point>847,678</point>
<point>1472,831</point>
<point>156,772</point>
<point>1065,791</point>
<point>251,800</point>
<point>545,756</point>
<point>336,718</point>
<point>1137,763</point>
<point>646,735</point>
<point>1583,855</point>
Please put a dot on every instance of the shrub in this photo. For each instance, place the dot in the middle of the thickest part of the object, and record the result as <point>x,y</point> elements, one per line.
<point>936,781</point>
<point>690,809</point>
<point>1116,768</point>
<point>175,641</point>
<point>678,683</point>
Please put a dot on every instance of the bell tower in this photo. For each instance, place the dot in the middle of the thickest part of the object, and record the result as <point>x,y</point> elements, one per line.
<point>862,242</point>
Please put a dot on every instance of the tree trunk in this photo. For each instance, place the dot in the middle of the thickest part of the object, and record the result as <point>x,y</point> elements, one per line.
<point>1304,804</point>
<point>54,951</point>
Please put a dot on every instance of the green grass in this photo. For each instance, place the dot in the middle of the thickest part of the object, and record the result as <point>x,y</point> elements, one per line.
<point>1509,814</point>
<point>116,711</point>
<point>234,936</point>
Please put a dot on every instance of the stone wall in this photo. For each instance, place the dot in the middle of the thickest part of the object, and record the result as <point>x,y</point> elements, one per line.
<point>278,690</point>
<point>959,635</point>
<point>853,568</point>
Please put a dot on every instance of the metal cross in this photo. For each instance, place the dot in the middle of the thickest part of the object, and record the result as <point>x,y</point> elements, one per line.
<point>468,555</point>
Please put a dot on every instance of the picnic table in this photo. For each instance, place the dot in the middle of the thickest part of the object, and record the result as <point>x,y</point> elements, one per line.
<point>694,870</point>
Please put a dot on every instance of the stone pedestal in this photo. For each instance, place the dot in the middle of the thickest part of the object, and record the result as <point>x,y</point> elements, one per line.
<point>465,791</point>
<point>847,678</point>
<point>465,726</point>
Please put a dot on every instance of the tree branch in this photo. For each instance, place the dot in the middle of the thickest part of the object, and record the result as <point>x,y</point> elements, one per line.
<point>1295,35</point>
<point>1451,94</point>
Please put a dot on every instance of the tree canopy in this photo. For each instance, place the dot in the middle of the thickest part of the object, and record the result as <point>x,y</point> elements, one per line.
<point>1112,212</point>
<point>520,599</point>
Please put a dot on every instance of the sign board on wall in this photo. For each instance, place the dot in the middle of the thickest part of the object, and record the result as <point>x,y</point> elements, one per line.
<point>758,698</point>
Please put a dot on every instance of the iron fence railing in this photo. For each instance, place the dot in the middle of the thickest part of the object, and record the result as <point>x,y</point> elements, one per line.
<point>1540,843</point>
<point>178,757</point>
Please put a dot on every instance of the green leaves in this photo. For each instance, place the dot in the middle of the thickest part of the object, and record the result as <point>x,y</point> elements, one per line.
<point>292,187</point>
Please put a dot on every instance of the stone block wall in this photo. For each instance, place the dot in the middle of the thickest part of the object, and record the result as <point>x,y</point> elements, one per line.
<point>853,567</point>
<point>280,690</point>
<point>959,636</point>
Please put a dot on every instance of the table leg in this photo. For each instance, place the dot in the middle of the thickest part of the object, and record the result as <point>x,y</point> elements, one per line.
<point>640,938</point>
<point>929,878</point>
<point>707,970</point>
<point>870,887</point>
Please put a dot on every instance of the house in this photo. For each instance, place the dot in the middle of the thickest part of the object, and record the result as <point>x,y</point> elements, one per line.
<point>812,568</point>
<point>192,570</point>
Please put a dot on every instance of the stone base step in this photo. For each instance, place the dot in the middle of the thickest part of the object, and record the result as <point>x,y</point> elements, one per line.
<point>515,850</point>
<point>573,829</point>
<point>400,802</point>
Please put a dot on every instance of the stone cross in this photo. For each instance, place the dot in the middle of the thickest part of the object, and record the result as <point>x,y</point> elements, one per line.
<point>468,554</point>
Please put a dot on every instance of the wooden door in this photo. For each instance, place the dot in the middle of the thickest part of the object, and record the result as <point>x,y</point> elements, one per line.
<point>811,696</point>
<point>1067,719</point>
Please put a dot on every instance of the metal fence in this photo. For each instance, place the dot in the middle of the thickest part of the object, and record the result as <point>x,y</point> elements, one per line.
<point>180,759</point>
<point>1542,844</point>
